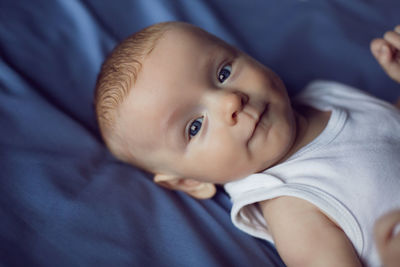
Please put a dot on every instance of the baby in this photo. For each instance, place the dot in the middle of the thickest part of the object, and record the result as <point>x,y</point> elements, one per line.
<point>311,175</point>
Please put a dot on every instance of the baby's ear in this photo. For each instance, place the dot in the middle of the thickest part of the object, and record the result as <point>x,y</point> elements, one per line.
<point>196,189</point>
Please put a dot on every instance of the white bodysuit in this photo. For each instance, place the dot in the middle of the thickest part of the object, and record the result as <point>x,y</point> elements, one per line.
<point>351,171</point>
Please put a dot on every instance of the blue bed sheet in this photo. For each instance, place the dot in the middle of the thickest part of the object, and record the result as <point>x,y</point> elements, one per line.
<point>65,201</point>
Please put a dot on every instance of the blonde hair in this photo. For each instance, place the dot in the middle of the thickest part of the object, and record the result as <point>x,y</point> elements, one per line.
<point>117,76</point>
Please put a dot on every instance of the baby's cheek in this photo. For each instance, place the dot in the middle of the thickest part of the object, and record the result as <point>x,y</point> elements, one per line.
<point>228,162</point>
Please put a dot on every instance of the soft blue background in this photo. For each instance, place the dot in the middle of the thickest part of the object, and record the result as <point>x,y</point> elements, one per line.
<point>65,201</point>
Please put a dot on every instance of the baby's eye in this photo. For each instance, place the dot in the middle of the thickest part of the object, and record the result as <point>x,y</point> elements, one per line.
<point>224,73</point>
<point>195,127</point>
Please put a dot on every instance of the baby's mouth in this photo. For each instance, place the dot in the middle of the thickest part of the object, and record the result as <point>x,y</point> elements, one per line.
<point>259,120</point>
<point>265,110</point>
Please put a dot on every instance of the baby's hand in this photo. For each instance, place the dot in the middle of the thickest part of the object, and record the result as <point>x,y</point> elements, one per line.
<point>387,52</point>
<point>387,237</point>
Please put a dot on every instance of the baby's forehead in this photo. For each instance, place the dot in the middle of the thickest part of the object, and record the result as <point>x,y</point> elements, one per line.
<point>184,56</point>
<point>184,44</point>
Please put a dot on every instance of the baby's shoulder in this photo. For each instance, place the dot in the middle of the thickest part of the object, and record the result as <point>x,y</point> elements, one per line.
<point>326,94</point>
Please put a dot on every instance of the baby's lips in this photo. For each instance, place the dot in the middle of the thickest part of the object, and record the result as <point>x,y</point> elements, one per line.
<point>257,120</point>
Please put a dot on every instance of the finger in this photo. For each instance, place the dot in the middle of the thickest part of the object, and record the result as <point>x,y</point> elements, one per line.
<point>387,57</point>
<point>392,67</point>
<point>384,228</point>
<point>393,37</point>
<point>397,29</point>
<point>382,51</point>
<point>376,47</point>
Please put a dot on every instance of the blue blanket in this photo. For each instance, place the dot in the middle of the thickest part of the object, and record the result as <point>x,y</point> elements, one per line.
<point>65,201</point>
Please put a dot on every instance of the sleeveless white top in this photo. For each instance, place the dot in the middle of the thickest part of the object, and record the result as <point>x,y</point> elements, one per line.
<point>351,171</point>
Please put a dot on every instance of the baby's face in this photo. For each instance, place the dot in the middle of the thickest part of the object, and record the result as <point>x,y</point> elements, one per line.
<point>201,109</point>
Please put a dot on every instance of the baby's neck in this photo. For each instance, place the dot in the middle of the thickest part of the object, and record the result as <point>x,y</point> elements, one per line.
<point>310,123</point>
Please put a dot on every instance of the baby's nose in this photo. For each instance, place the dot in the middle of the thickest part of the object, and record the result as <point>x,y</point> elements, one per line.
<point>232,104</point>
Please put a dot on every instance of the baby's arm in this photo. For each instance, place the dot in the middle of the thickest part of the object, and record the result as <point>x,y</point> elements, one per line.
<point>304,236</point>
<point>387,240</point>
<point>386,50</point>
